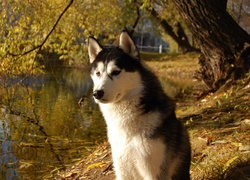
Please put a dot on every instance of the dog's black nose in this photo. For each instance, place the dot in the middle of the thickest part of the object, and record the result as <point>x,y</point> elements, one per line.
<point>98,94</point>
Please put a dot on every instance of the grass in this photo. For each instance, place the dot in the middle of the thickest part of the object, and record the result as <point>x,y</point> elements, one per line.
<point>218,124</point>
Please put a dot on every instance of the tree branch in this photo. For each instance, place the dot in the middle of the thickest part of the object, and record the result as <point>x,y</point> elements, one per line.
<point>137,19</point>
<point>39,47</point>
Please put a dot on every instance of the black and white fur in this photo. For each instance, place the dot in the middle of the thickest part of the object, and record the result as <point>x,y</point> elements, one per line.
<point>147,141</point>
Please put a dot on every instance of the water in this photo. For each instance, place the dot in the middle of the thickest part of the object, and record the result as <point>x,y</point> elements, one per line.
<point>44,128</point>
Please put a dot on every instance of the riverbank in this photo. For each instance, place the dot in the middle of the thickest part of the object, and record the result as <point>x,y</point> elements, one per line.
<point>218,125</point>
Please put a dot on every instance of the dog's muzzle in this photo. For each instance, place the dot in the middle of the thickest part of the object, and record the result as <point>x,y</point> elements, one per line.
<point>98,94</point>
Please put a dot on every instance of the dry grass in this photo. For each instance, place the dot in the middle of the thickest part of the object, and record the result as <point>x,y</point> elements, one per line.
<point>218,124</point>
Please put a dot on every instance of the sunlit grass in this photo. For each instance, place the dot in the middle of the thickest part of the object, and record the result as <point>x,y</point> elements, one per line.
<point>176,73</point>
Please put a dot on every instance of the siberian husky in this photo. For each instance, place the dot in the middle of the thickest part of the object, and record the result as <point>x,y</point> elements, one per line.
<point>147,141</point>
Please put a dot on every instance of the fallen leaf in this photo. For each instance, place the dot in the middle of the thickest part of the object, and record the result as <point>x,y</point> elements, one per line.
<point>91,166</point>
<point>230,161</point>
<point>244,148</point>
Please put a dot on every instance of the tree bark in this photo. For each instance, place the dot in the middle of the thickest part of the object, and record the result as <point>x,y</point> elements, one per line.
<point>224,45</point>
<point>180,37</point>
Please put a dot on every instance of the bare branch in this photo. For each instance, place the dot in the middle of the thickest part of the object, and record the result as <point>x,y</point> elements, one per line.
<point>137,18</point>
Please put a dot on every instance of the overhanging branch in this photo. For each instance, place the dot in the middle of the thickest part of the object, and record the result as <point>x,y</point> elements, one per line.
<point>39,47</point>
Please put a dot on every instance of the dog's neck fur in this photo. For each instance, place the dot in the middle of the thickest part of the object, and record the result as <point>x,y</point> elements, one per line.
<point>127,118</point>
<point>123,109</point>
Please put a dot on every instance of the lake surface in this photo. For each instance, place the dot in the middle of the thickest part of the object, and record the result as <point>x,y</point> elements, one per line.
<point>43,126</point>
<point>50,121</point>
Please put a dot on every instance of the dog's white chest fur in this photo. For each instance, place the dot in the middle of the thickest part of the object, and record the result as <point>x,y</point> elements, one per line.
<point>135,156</point>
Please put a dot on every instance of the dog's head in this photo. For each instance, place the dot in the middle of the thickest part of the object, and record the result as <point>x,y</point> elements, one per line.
<point>114,70</point>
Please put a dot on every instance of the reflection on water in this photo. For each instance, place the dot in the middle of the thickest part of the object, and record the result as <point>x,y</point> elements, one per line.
<point>7,158</point>
<point>42,127</point>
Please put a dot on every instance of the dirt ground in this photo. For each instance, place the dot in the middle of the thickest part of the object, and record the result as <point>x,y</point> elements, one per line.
<point>218,125</point>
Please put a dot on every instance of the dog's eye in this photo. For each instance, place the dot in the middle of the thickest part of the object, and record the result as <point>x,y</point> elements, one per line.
<point>98,74</point>
<point>115,72</point>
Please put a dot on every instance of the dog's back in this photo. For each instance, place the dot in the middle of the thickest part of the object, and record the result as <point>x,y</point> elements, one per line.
<point>147,140</point>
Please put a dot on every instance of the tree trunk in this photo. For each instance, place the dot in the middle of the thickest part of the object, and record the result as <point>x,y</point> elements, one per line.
<point>224,45</point>
<point>180,37</point>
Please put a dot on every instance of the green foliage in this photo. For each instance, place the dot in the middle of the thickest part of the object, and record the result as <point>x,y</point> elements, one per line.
<point>26,23</point>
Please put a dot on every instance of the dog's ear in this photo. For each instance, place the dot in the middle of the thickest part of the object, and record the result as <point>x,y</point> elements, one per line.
<point>93,49</point>
<point>128,45</point>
